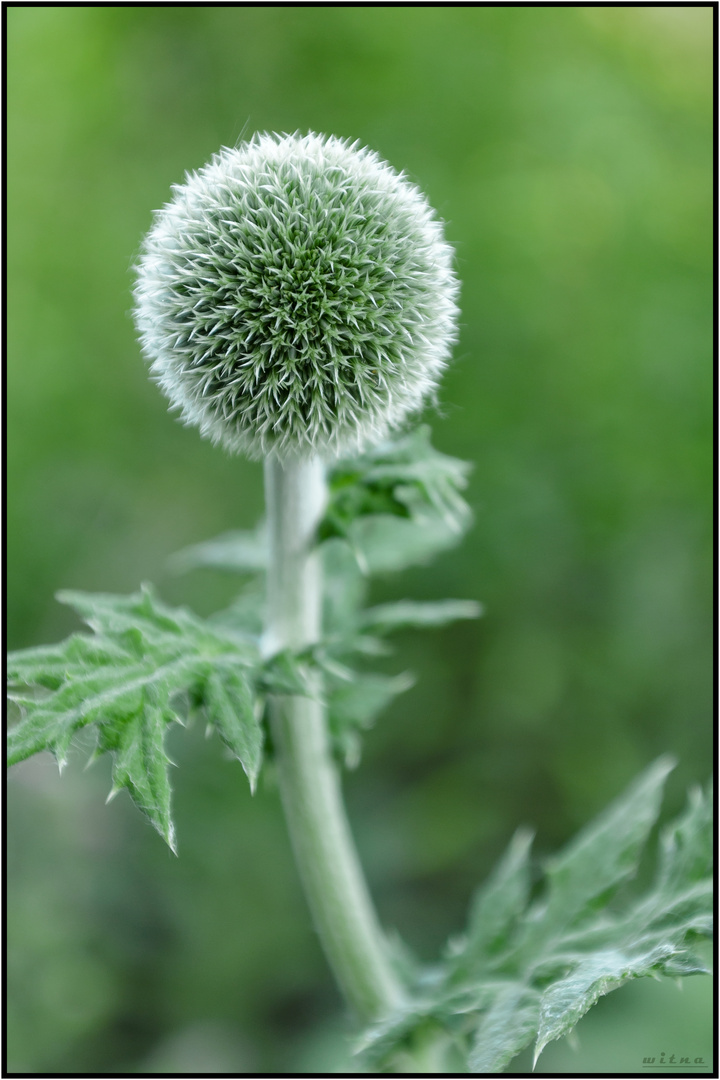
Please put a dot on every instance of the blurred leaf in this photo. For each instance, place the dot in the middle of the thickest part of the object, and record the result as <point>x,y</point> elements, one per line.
<point>382,543</point>
<point>246,614</point>
<point>361,700</point>
<point>506,1029</point>
<point>531,972</point>
<point>383,1040</point>
<point>686,845</point>
<point>240,551</point>
<point>353,706</point>
<point>568,999</point>
<point>344,588</point>
<point>586,873</point>
<point>404,613</point>
<point>501,900</point>
<point>287,672</point>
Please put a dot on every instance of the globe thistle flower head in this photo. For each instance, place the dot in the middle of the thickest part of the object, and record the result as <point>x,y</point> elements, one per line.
<point>296,297</point>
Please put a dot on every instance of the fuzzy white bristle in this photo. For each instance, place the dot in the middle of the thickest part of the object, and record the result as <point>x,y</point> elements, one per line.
<point>295,297</point>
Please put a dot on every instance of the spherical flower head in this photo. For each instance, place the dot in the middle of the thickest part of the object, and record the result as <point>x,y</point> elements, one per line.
<point>296,297</point>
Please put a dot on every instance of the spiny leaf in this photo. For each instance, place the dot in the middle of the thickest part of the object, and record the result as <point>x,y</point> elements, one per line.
<point>141,764</point>
<point>88,695</point>
<point>506,1029</point>
<point>232,708</point>
<point>568,999</point>
<point>501,900</point>
<point>605,853</point>
<point>529,970</point>
<point>125,679</point>
<point>686,845</point>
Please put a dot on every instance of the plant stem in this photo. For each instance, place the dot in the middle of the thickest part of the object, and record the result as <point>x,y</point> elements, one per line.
<point>309,783</point>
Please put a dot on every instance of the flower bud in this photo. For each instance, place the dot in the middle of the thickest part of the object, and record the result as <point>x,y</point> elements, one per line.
<point>296,297</point>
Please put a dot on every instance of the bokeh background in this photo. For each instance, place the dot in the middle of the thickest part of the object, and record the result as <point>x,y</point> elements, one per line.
<point>569,151</point>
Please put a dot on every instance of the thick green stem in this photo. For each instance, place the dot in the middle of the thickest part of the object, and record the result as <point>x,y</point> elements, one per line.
<point>309,783</point>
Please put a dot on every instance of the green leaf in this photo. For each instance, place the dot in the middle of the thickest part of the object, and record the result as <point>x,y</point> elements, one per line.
<point>568,999</point>
<point>245,615</point>
<point>498,904</point>
<point>362,699</point>
<point>383,544</point>
<point>239,552</point>
<point>397,505</point>
<point>233,709</point>
<point>687,844</point>
<point>506,1029</point>
<point>584,875</point>
<point>529,969</point>
<point>383,1040</point>
<point>353,706</point>
<point>141,764</point>
<point>290,673</point>
<point>125,681</point>
<point>404,613</point>
<point>344,589</point>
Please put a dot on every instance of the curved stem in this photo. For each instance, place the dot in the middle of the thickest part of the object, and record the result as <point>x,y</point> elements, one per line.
<point>309,783</point>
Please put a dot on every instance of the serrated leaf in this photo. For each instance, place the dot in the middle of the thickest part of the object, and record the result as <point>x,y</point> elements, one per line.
<point>687,844</point>
<point>125,680</point>
<point>529,970</point>
<point>44,667</point>
<point>568,999</point>
<point>498,904</point>
<point>607,852</point>
<point>86,696</point>
<point>140,613</point>
<point>231,707</point>
<point>141,766</point>
<point>397,505</point>
<point>506,1029</point>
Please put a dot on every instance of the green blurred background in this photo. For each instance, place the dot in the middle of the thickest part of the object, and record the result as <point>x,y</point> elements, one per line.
<point>569,151</point>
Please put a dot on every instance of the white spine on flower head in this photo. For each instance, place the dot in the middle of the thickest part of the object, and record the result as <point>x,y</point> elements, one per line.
<point>296,297</point>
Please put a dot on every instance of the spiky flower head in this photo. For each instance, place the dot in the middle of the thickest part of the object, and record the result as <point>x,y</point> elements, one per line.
<point>296,296</point>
